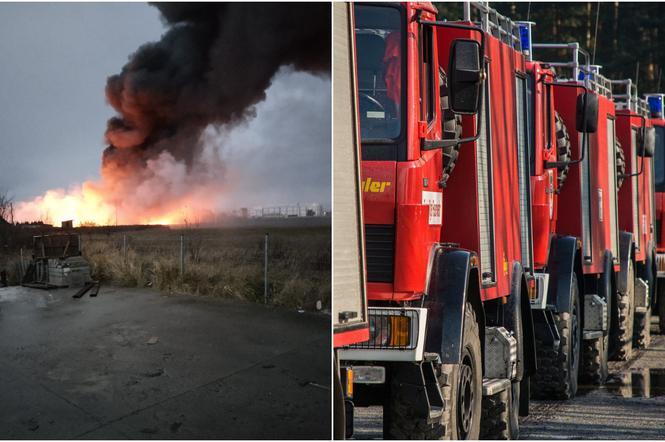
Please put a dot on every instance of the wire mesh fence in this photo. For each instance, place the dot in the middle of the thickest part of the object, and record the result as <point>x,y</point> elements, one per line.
<point>289,266</point>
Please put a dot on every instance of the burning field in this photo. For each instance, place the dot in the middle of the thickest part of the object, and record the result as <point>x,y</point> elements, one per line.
<point>174,101</point>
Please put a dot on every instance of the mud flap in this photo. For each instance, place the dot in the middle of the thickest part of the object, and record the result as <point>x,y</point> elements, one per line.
<point>545,328</point>
<point>561,264</point>
<point>418,386</point>
<point>625,254</point>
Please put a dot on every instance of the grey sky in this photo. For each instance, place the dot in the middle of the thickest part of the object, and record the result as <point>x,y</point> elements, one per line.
<point>54,61</point>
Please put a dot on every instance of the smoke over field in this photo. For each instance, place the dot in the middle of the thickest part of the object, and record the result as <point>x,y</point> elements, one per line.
<point>175,98</point>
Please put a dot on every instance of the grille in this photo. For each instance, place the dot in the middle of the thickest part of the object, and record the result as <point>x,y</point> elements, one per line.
<point>380,252</point>
<point>383,325</point>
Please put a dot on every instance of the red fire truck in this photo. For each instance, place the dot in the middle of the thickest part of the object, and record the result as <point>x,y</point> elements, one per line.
<point>656,104</point>
<point>452,341</point>
<point>586,231</point>
<point>636,198</point>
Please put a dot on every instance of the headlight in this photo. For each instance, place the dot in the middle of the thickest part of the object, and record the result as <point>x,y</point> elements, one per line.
<point>387,329</point>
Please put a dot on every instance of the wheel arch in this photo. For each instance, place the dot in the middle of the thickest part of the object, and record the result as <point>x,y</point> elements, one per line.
<point>454,280</point>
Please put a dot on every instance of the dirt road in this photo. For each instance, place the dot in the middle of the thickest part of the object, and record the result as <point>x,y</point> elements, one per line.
<point>133,364</point>
<point>630,406</point>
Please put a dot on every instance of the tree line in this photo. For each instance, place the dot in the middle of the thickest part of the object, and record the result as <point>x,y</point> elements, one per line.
<point>627,39</point>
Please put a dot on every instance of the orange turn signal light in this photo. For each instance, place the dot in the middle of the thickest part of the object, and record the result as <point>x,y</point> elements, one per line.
<point>400,331</point>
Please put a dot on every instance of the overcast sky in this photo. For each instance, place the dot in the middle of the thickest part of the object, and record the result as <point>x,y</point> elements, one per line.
<point>54,61</point>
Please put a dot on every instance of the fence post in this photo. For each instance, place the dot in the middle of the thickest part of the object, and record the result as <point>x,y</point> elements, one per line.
<point>22,265</point>
<point>182,255</point>
<point>265,271</point>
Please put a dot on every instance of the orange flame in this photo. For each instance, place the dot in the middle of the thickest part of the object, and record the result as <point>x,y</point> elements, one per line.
<point>86,204</point>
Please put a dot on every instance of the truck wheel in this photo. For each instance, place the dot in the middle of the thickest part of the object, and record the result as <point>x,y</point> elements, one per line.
<point>562,148</point>
<point>622,334</point>
<point>513,322</point>
<point>496,417</point>
<point>595,352</point>
<point>461,388</point>
<point>642,332</point>
<point>468,387</point>
<point>595,360</point>
<point>620,163</point>
<point>401,424</point>
<point>557,373</point>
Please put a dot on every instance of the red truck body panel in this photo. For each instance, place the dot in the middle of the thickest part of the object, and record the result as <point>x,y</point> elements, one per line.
<point>460,198</point>
<point>544,197</point>
<point>634,200</point>
<point>570,219</point>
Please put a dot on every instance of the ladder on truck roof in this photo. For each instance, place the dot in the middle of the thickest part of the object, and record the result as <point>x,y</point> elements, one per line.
<point>586,73</point>
<point>490,21</point>
<point>518,35</point>
<point>627,97</point>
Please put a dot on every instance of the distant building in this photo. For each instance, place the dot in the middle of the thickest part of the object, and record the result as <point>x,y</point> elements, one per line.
<point>287,211</point>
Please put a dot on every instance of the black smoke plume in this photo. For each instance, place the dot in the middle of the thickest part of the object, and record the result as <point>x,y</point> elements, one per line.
<point>211,66</point>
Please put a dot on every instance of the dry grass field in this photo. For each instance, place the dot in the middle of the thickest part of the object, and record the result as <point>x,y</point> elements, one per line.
<point>221,262</point>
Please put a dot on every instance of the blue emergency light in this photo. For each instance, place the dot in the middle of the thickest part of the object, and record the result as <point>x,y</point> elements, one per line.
<point>525,37</point>
<point>582,75</point>
<point>655,105</point>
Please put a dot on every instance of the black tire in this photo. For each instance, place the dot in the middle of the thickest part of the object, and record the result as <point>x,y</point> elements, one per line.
<point>622,334</point>
<point>400,423</point>
<point>620,163</point>
<point>557,373</point>
<point>642,331</point>
<point>594,369</point>
<point>467,392</point>
<point>595,352</point>
<point>562,148</point>
<point>513,322</point>
<point>496,417</point>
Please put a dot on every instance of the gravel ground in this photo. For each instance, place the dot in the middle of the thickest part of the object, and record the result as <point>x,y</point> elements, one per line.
<point>131,363</point>
<point>630,406</point>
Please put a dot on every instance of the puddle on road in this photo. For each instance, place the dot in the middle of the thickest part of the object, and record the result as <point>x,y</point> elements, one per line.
<point>639,382</point>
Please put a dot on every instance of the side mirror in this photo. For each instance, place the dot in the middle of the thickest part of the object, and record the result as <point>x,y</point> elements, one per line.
<point>648,145</point>
<point>588,103</point>
<point>465,70</point>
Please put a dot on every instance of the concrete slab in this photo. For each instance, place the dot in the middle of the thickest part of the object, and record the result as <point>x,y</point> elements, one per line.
<point>134,363</point>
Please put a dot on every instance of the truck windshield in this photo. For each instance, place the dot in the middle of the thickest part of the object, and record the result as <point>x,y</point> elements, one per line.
<point>659,157</point>
<point>380,71</point>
